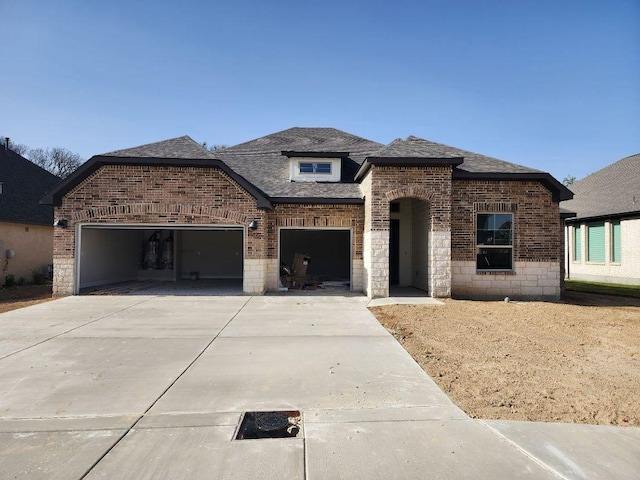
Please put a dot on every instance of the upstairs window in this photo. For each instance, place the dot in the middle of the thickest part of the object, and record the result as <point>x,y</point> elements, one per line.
<point>321,167</point>
<point>494,241</point>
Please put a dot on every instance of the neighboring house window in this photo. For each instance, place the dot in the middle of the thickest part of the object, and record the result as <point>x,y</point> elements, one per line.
<point>595,242</point>
<point>616,244</point>
<point>577,243</point>
<point>494,238</point>
<point>308,167</point>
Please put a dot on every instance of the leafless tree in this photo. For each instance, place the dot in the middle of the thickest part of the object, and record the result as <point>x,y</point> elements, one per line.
<point>57,160</point>
<point>19,148</point>
<point>214,148</point>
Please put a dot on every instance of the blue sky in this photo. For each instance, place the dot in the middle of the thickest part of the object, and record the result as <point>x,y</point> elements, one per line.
<point>553,85</point>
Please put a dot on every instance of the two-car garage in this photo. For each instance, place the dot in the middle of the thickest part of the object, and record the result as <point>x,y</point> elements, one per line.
<point>110,254</point>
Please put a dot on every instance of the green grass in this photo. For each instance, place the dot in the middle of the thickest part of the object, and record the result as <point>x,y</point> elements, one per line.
<point>603,288</point>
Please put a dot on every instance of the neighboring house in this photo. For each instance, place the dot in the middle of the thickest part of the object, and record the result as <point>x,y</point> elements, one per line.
<point>603,239</point>
<point>26,226</point>
<point>411,213</point>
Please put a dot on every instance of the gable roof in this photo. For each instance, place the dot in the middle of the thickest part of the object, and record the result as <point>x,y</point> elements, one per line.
<point>181,152</point>
<point>611,191</point>
<point>23,183</point>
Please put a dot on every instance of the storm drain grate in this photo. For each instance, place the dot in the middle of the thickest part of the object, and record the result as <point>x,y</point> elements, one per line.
<point>283,424</point>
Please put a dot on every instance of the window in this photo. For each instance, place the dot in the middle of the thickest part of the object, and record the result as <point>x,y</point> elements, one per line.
<point>494,238</point>
<point>595,242</point>
<point>616,250</point>
<point>308,167</point>
<point>577,243</point>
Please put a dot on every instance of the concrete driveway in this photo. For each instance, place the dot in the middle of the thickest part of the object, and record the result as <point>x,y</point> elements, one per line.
<point>149,387</point>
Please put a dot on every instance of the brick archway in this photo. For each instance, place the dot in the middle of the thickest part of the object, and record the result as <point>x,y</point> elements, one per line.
<point>410,191</point>
<point>183,213</point>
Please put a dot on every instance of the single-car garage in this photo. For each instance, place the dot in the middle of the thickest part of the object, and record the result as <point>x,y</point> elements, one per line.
<point>111,254</point>
<point>328,252</point>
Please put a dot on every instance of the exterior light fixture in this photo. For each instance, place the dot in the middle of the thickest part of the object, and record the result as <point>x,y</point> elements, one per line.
<point>61,222</point>
<point>253,224</point>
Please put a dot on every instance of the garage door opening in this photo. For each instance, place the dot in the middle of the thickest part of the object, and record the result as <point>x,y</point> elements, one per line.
<point>116,255</point>
<point>326,252</point>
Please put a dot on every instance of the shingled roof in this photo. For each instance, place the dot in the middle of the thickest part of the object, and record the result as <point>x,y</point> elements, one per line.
<point>262,162</point>
<point>180,147</point>
<point>23,183</point>
<point>612,191</point>
<point>263,165</point>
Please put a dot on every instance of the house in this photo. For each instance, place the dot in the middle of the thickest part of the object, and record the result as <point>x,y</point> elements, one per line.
<point>603,239</point>
<point>410,213</point>
<point>26,226</point>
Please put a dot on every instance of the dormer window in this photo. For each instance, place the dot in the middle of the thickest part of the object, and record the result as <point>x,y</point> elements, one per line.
<point>321,167</point>
<point>315,166</point>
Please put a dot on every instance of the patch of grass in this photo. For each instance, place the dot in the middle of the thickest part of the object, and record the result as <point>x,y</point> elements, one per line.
<point>603,288</point>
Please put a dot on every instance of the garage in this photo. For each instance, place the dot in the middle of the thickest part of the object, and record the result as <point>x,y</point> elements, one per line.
<point>115,254</point>
<point>327,253</point>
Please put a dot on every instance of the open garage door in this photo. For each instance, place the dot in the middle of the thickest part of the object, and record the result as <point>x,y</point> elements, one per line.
<point>328,252</point>
<point>119,253</point>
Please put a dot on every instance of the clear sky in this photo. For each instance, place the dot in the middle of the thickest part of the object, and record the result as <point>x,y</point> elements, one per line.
<point>553,85</point>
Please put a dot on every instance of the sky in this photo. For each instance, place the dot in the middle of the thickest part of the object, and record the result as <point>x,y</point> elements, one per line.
<point>553,85</point>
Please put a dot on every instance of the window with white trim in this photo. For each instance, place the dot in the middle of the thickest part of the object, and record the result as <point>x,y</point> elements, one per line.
<point>494,241</point>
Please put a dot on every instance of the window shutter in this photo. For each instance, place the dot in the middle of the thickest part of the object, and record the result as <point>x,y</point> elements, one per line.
<point>577,243</point>
<point>616,244</point>
<point>595,239</point>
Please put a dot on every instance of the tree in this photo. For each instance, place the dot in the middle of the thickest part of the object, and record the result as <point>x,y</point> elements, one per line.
<point>568,180</point>
<point>57,160</point>
<point>214,148</point>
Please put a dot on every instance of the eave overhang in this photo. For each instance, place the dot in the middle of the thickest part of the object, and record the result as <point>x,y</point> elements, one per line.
<point>589,218</point>
<point>317,201</point>
<point>55,195</point>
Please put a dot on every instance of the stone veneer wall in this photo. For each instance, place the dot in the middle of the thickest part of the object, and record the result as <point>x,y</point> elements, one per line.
<point>383,185</point>
<point>315,216</point>
<point>538,242</point>
<point>160,196</point>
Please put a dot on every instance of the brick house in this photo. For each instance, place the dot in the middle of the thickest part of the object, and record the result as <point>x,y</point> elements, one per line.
<point>602,236</point>
<point>411,213</point>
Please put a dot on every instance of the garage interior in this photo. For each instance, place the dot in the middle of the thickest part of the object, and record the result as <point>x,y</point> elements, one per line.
<point>120,254</point>
<point>328,258</point>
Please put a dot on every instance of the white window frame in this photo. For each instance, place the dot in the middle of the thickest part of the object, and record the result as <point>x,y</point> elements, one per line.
<point>297,176</point>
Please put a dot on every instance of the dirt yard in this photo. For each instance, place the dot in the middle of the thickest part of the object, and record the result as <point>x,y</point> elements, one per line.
<point>20,296</point>
<point>577,361</point>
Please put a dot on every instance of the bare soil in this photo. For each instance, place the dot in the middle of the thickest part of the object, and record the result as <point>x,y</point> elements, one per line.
<point>12,298</point>
<point>576,361</point>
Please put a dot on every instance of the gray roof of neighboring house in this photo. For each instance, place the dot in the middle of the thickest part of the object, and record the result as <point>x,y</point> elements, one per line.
<point>614,190</point>
<point>180,147</point>
<point>23,184</point>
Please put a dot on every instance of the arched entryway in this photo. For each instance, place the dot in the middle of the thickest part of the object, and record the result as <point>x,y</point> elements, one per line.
<point>409,226</point>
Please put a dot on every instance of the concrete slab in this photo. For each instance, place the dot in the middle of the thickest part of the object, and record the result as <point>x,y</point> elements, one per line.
<point>23,328</point>
<point>164,317</point>
<point>577,452</point>
<point>66,424</point>
<point>209,419</point>
<point>303,316</point>
<point>413,449</point>
<point>384,414</point>
<point>238,374</point>
<point>53,455</point>
<point>200,453</point>
<point>75,376</point>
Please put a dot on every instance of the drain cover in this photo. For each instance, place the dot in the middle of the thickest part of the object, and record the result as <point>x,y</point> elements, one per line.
<point>284,424</point>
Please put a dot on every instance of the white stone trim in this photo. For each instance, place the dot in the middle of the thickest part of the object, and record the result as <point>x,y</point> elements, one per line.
<point>529,279</point>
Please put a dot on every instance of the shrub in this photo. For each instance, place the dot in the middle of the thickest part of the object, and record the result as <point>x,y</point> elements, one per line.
<point>9,280</point>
